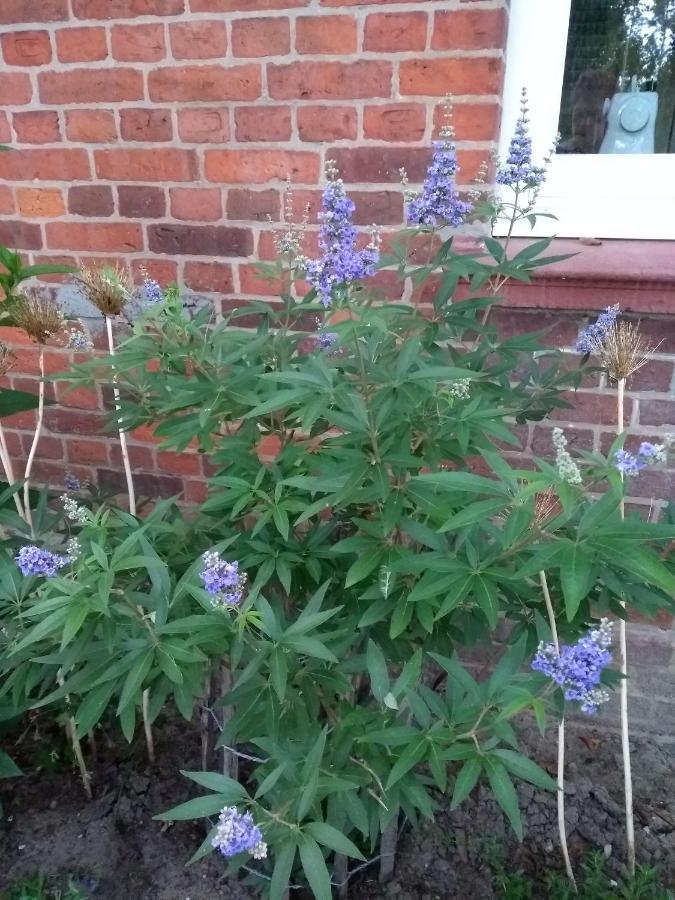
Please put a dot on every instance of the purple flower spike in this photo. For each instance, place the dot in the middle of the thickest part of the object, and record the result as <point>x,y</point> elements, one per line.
<point>237,833</point>
<point>31,560</point>
<point>590,340</point>
<point>152,292</point>
<point>439,202</point>
<point>222,580</point>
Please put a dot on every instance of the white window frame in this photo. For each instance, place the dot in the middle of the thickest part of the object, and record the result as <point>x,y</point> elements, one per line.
<point>592,195</point>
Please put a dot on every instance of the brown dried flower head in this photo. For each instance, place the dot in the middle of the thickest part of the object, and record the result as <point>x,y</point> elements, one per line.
<point>623,351</point>
<point>108,288</point>
<point>546,507</point>
<point>6,358</point>
<point>39,318</point>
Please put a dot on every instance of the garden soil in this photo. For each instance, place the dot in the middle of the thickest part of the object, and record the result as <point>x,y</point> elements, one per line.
<point>115,849</point>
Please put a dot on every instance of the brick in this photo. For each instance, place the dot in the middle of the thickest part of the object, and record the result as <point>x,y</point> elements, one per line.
<point>598,408</point>
<point>68,421</point>
<point>393,32</point>
<point>140,457</point>
<point>256,206</point>
<point>87,452</point>
<point>259,166</point>
<point>26,48</point>
<point>395,122</point>
<point>437,77</point>
<point>204,83</point>
<point>14,12</point>
<point>45,165</point>
<point>657,412</point>
<point>196,204</point>
<point>138,43</point>
<point>179,463</point>
<point>164,271</point>
<point>151,486</point>
<point>146,125</point>
<point>655,375</point>
<point>34,202</point>
<point>198,40</point>
<point>471,121</point>
<point>141,202</point>
<point>7,206</point>
<point>37,127</point>
<point>469,29</point>
<point>94,200</point>
<point>383,164</point>
<point>196,492</point>
<point>20,235</point>
<point>330,80</point>
<point>5,130</point>
<point>577,439</point>
<point>168,164</point>
<point>15,88</point>
<point>361,2</point>
<point>207,240</point>
<point>77,398</point>
<point>243,5</point>
<point>377,207</point>
<point>120,237</point>
<point>48,447</point>
<point>261,37</point>
<point>90,86</point>
<point>53,260</point>
<point>262,123</point>
<point>211,277</point>
<point>91,126</point>
<point>327,123</point>
<point>325,34</point>
<point>126,9</point>
<point>203,126</point>
<point>87,44</point>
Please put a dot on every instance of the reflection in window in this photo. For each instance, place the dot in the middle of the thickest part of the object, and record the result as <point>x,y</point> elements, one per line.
<point>619,83</point>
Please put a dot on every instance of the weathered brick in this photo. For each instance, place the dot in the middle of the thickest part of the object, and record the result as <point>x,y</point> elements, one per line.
<point>126,9</point>
<point>196,204</point>
<point>20,235</point>
<point>577,439</point>
<point>139,201</point>
<point>39,202</point>
<point>90,86</point>
<point>26,48</point>
<point>655,375</point>
<point>255,206</point>
<point>7,206</point>
<point>203,126</point>
<point>168,164</point>
<point>211,277</point>
<point>469,29</point>
<point>5,130</point>
<point>325,34</point>
<point>207,240</point>
<point>37,127</point>
<point>94,200</point>
<point>259,166</point>
<point>86,44</point>
<point>326,123</point>
<point>437,77</point>
<point>165,271</point>
<point>45,165</point>
<point>377,207</point>
<point>657,412</point>
<point>330,80</point>
<point>77,398</point>
<point>138,43</point>
<point>205,83</point>
<point>14,12</point>
<point>87,452</point>
<point>109,236</point>
<point>262,123</point>
<point>15,88</point>
<point>178,463</point>
<point>147,485</point>
<point>198,40</point>
<point>68,421</point>
<point>53,259</point>
<point>252,281</point>
<point>598,408</point>
<point>243,5</point>
<point>393,32</point>
<point>91,126</point>
<point>383,164</point>
<point>195,492</point>
<point>471,121</point>
<point>48,447</point>
<point>261,37</point>
<point>146,124</point>
<point>398,122</point>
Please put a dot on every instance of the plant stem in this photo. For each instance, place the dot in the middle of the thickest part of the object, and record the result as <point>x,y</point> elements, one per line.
<point>6,460</point>
<point>561,741</point>
<point>623,665</point>
<point>34,445</point>
<point>147,726</point>
<point>123,438</point>
<point>71,732</point>
<point>497,285</point>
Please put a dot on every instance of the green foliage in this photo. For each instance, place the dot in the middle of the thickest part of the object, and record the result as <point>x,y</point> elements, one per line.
<point>38,887</point>
<point>16,272</point>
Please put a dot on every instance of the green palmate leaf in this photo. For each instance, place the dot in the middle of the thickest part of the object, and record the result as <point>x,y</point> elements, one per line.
<point>8,768</point>
<point>314,867</point>
<point>461,481</point>
<point>485,592</point>
<point>330,837</point>
<point>576,575</point>
<point>466,780</point>
<point>639,562</point>
<point>362,567</point>
<point>222,784</point>
<point>92,707</point>
<point>278,672</point>
<point>134,680</point>
<point>476,512</point>
<point>283,866</point>
<point>197,808</point>
<point>524,768</point>
<point>508,665</point>
<point>12,402</point>
<point>412,754</point>
<point>377,671</point>
<point>505,793</point>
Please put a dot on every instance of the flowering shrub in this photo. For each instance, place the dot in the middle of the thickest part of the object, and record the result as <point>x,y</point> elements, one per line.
<point>333,587</point>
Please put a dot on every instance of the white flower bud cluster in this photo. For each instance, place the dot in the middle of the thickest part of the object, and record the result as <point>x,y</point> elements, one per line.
<point>567,468</point>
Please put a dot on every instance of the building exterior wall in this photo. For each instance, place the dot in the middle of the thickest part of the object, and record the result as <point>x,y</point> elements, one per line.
<point>158,134</point>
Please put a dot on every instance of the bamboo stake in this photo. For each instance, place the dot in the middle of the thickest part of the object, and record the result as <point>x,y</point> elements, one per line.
<point>6,461</point>
<point>34,444</point>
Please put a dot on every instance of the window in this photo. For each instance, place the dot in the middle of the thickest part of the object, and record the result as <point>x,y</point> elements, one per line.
<point>602,74</point>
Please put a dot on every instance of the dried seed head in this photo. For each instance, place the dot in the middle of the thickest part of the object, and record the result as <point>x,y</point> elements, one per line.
<point>623,351</point>
<point>546,506</point>
<point>108,288</point>
<point>6,358</point>
<point>39,318</point>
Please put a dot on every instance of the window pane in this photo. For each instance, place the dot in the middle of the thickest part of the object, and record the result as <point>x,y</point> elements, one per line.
<point>619,84</point>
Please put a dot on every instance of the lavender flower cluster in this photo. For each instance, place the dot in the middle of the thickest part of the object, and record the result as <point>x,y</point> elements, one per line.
<point>32,560</point>
<point>237,833</point>
<point>633,463</point>
<point>151,291</point>
<point>222,580</point>
<point>578,667</point>
<point>591,339</point>
<point>439,202</point>
<point>518,172</point>
<point>341,263</point>
<point>79,340</point>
